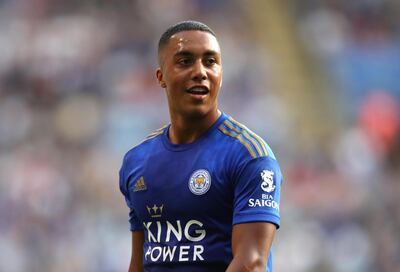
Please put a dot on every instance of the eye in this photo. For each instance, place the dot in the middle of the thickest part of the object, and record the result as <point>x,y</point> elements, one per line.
<point>184,61</point>
<point>210,61</point>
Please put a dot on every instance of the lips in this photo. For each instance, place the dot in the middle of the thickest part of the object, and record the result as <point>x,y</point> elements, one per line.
<point>198,90</point>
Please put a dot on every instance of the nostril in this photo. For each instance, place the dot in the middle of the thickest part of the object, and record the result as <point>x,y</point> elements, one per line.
<point>200,77</point>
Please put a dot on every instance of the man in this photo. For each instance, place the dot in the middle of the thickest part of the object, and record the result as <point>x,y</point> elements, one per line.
<point>204,191</point>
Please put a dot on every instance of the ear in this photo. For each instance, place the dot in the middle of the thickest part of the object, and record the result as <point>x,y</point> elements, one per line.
<point>159,76</point>
<point>222,78</point>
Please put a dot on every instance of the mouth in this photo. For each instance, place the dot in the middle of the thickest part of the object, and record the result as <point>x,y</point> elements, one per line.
<point>198,90</point>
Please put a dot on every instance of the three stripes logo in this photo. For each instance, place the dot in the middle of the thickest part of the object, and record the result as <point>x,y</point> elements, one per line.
<point>140,185</point>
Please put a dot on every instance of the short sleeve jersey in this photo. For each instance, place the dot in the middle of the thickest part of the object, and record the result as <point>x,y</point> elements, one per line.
<point>186,198</point>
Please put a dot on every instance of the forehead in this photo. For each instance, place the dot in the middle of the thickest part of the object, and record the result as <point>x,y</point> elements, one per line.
<point>193,40</point>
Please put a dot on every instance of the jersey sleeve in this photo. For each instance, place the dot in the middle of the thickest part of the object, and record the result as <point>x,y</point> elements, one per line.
<point>257,192</point>
<point>135,224</point>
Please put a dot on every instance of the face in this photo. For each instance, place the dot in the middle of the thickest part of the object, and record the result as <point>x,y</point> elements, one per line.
<point>191,73</point>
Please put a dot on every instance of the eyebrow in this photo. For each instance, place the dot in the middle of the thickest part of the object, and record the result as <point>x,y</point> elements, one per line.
<point>183,54</point>
<point>186,53</point>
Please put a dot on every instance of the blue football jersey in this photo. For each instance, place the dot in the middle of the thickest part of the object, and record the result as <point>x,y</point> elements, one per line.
<point>187,197</point>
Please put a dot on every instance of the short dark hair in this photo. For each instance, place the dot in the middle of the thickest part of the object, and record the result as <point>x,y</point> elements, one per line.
<point>182,26</point>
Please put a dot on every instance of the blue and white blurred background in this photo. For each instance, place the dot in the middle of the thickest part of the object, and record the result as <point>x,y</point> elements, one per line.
<point>319,80</point>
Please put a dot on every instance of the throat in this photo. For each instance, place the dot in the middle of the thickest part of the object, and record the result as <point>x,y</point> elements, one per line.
<point>184,135</point>
<point>187,131</point>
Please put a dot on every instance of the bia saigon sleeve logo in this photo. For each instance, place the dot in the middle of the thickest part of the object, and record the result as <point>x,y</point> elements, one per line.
<point>265,199</point>
<point>268,181</point>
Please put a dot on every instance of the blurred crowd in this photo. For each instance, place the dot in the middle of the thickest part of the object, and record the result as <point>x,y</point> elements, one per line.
<point>78,89</point>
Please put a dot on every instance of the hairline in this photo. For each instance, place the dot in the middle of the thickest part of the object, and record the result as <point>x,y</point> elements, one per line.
<point>209,52</point>
<point>178,28</point>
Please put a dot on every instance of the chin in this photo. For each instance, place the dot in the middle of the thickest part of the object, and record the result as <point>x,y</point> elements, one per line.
<point>197,113</point>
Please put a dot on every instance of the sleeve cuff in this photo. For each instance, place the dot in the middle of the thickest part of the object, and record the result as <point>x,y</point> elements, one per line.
<point>247,218</point>
<point>136,227</point>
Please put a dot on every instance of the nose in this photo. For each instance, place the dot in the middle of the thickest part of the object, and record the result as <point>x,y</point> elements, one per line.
<point>199,71</point>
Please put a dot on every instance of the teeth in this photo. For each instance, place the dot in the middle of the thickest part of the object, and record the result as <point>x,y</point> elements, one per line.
<point>198,90</point>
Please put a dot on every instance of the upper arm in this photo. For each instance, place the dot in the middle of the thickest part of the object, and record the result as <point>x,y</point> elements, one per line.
<point>255,214</point>
<point>136,264</point>
<point>251,244</point>
<point>257,192</point>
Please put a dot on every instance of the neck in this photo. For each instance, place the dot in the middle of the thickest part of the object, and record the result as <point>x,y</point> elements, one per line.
<point>186,130</point>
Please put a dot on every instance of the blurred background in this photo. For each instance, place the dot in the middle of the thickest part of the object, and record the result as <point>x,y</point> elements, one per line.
<point>319,80</point>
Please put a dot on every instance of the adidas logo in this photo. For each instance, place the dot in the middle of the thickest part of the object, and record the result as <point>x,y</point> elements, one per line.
<point>140,185</point>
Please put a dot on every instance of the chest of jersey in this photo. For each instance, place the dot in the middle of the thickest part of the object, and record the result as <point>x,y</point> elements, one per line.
<point>184,200</point>
<point>182,185</point>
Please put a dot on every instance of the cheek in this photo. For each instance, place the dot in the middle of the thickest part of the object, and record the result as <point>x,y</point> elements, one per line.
<point>217,79</point>
<point>217,74</point>
<point>176,79</point>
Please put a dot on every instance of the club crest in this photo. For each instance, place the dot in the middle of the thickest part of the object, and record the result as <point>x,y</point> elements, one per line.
<point>200,182</point>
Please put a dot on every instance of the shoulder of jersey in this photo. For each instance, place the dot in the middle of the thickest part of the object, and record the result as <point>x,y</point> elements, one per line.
<point>153,135</point>
<point>254,144</point>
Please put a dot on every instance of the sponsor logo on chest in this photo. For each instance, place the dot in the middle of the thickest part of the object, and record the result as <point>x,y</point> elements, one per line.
<point>159,234</point>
